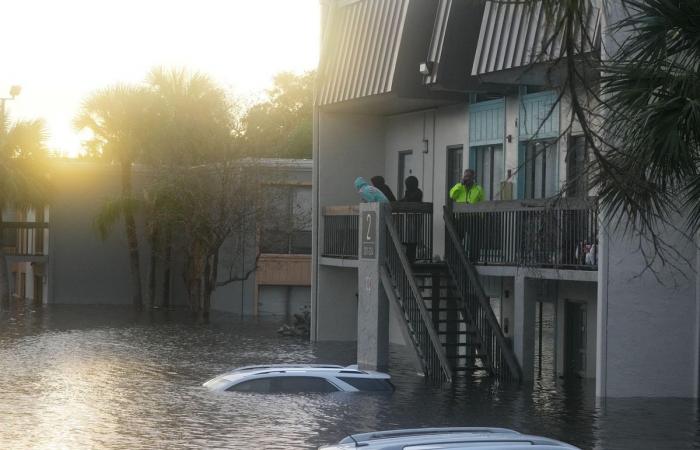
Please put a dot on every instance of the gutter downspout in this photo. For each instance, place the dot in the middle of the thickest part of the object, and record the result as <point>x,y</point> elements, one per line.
<point>327,7</point>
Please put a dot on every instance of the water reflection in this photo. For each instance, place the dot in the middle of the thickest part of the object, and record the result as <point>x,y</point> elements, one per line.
<point>106,377</point>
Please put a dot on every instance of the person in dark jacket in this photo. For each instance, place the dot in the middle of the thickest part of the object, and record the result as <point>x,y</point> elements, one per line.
<point>412,193</point>
<point>379,183</point>
<point>413,223</point>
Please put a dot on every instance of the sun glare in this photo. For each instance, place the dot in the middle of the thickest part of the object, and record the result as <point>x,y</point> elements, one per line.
<point>62,51</point>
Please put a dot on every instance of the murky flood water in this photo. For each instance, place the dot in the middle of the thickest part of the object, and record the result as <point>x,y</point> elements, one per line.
<point>106,377</point>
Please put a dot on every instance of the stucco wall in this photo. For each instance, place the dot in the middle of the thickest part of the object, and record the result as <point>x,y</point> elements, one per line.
<point>648,330</point>
<point>85,269</point>
<point>347,146</point>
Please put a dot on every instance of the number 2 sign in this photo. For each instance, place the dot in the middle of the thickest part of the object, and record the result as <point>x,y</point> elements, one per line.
<point>368,233</point>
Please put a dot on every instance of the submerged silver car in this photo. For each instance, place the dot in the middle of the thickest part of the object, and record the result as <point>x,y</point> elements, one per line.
<point>300,378</point>
<point>448,438</point>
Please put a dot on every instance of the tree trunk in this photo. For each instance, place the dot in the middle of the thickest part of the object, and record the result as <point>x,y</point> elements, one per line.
<point>167,269</point>
<point>4,281</point>
<point>153,238</point>
<point>208,288</point>
<point>4,272</point>
<point>131,239</point>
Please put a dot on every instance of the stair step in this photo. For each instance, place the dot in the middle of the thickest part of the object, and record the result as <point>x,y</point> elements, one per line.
<point>469,369</point>
<point>461,332</point>
<point>450,297</point>
<point>429,266</point>
<point>466,356</point>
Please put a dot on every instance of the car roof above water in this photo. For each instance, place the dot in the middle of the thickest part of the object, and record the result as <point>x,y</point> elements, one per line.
<point>449,438</point>
<point>300,369</point>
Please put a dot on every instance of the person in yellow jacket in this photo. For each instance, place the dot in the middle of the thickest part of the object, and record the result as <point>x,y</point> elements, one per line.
<point>467,190</point>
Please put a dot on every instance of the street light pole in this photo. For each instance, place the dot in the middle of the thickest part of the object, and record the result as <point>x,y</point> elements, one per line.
<point>14,92</point>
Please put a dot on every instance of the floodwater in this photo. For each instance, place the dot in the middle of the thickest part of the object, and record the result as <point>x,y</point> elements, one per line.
<point>106,377</point>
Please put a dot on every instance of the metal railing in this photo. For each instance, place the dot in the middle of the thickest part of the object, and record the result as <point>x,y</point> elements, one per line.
<point>422,332</point>
<point>413,221</point>
<point>341,231</point>
<point>414,224</point>
<point>560,233</point>
<point>500,358</point>
<point>23,238</point>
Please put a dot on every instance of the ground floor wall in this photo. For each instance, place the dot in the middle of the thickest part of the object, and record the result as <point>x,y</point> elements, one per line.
<point>548,302</point>
<point>650,319</point>
<point>335,317</point>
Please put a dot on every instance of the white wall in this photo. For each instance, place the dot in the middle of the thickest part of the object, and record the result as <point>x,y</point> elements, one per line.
<point>406,132</point>
<point>648,330</point>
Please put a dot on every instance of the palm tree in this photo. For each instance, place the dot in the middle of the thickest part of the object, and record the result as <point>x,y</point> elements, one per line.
<point>641,114</point>
<point>118,118</point>
<point>23,181</point>
<point>194,122</point>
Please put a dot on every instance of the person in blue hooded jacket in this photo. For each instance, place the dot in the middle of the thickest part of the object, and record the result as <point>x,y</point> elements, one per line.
<point>369,193</point>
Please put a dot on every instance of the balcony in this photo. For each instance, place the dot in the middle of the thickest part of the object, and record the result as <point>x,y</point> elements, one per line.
<point>24,239</point>
<point>555,234</point>
<point>413,222</point>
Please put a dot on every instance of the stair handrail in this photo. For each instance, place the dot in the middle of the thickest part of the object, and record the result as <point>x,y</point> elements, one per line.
<point>426,320</point>
<point>473,276</point>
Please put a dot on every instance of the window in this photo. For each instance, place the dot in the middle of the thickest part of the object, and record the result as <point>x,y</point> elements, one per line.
<point>454,166</point>
<point>487,161</point>
<point>539,163</point>
<point>260,385</point>
<point>285,385</point>
<point>368,384</point>
<point>576,161</point>
<point>405,170</point>
<point>293,385</point>
<point>289,231</point>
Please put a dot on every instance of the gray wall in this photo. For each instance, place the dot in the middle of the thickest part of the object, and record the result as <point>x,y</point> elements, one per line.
<point>85,269</point>
<point>648,331</point>
<point>348,145</point>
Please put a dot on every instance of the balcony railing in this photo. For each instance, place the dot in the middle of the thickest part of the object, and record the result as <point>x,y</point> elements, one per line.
<point>23,238</point>
<point>561,233</point>
<point>340,231</point>
<point>413,222</point>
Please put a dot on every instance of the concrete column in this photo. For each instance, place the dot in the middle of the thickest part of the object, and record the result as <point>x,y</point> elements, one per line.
<point>524,325</point>
<point>373,305</point>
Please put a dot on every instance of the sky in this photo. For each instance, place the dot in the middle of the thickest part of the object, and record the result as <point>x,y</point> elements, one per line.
<point>61,51</point>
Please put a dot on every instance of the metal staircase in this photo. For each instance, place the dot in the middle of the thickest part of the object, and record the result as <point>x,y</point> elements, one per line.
<point>491,346</point>
<point>458,336</point>
<point>446,313</point>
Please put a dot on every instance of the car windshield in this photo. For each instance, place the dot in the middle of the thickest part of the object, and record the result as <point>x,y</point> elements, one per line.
<point>285,385</point>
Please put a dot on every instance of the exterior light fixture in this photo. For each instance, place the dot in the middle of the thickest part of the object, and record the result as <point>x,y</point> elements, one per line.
<point>425,68</point>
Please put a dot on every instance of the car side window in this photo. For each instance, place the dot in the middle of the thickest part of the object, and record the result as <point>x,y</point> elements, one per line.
<point>260,385</point>
<point>295,385</point>
<point>368,384</point>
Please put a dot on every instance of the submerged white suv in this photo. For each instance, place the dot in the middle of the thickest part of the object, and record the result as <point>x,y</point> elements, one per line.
<point>305,378</point>
<point>448,438</point>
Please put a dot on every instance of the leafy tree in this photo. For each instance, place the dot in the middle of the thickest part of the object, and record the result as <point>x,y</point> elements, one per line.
<point>281,127</point>
<point>23,179</point>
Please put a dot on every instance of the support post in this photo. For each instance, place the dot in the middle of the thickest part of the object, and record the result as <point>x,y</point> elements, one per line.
<point>524,326</point>
<point>373,305</point>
